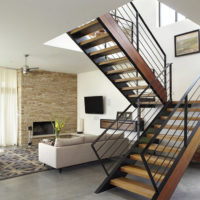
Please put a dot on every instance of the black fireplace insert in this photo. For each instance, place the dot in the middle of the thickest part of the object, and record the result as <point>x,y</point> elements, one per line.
<point>43,128</point>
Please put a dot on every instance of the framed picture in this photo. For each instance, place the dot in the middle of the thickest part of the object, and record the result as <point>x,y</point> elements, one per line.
<point>125,116</point>
<point>187,43</point>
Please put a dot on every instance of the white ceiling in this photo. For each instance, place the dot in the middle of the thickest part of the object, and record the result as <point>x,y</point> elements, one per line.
<point>25,25</point>
<point>189,8</point>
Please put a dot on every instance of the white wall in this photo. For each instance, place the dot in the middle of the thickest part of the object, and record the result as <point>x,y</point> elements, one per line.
<point>185,68</point>
<point>96,84</point>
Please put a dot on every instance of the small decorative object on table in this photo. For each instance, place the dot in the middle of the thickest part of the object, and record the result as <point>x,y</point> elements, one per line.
<point>80,129</point>
<point>30,136</point>
<point>48,141</point>
<point>59,124</point>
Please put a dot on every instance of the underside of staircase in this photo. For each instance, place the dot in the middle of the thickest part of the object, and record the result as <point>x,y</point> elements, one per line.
<point>104,42</point>
<point>166,133</point>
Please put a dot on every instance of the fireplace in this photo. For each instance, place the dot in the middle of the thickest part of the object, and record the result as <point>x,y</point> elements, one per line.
<point>43,128</point>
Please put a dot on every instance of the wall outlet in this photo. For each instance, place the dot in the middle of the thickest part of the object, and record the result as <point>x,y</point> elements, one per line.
<point>96,118</point>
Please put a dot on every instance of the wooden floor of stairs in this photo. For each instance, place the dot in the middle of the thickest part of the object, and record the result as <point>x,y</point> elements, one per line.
<point>134,186</point>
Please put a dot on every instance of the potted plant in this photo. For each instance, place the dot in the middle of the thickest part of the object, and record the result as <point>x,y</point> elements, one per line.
<point>59,124</point>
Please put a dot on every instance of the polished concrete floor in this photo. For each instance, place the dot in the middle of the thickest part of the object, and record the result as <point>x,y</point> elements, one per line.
<point>80,182</point>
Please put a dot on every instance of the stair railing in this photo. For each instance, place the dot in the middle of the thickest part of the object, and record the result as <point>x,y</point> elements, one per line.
<point>178,138</point>
<point>117,66</point>
<point>140,35</point>
<point>120,137</point>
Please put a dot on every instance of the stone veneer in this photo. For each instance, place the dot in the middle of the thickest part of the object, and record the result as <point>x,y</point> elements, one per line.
<point>42,95</point>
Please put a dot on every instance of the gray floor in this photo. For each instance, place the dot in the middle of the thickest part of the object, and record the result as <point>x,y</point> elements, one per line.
<point>80,182</point>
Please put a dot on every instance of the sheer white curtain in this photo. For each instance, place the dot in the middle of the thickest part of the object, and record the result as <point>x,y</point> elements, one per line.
<point>8,107</point>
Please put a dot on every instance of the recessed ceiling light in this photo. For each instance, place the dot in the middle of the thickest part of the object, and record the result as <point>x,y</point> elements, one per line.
<point>65,42</point>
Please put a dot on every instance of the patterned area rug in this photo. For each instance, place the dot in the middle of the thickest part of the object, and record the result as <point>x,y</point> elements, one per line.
<point>18,161</point>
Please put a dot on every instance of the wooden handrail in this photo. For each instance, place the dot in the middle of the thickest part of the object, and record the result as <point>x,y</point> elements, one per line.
<point>132,54</point>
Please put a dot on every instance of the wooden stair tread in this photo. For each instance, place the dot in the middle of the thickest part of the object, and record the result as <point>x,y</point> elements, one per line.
<point>174,127</point>
<point>87,28</point>
<point>114,61</point>
<point>161,148</point>
<point>150,103</point>
<point>155,160</point>
<point>97,40</point>
<point>182,109</point>
<point>106,51</point>
<point>144,95</point>
<point>167,137</point>
<point>139,78</point>
<point>134,186</point>
<point>139,171</point>
<point>180,118</point>
<point>135,88</point>
<point>189,102</point>
<point>117,71</point>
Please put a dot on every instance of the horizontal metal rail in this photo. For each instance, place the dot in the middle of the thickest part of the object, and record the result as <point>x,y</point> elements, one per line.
<point>142,38</point>
<point>182,107</point>
<point>102,150</point>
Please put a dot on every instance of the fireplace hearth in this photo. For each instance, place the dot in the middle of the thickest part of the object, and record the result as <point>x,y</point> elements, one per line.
<point>43,128</point>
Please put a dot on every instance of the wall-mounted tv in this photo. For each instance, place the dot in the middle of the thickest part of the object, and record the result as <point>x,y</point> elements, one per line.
<point>94,105</point>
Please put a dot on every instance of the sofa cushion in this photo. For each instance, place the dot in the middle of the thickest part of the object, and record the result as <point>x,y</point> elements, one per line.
<point>89,138</point>
<point>59,142</point>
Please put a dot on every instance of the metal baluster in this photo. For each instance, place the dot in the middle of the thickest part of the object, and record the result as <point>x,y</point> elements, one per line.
<point>170,81</point>
<point>185,120</point>
<point>137,30</point>
<point>132,33</point>
<point>165,73</point>
<point>138,118</point>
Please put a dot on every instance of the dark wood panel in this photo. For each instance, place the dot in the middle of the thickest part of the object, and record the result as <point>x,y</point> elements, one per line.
<point>120,38</point>
<point>180,168</point>
<point>120,125</point>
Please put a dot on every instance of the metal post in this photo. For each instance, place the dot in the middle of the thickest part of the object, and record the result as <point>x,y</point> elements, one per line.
<point>185,120</point>
<point>132,33</point>
<point>165,73</point>
<point>115,15</point>
<point>137,30</point>
<point>170,81</point>
<point>137,91</point>
<point>138,118</point>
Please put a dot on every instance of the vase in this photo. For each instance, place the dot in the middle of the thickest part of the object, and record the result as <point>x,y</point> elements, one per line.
<point>57,134</point>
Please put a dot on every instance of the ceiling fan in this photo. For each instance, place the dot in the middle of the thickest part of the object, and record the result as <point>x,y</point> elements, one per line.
<point>26,69</point>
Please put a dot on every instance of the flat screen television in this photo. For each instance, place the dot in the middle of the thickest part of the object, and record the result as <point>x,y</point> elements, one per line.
<point>94,105</point>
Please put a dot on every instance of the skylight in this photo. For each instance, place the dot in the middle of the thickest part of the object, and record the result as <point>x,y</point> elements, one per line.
<point>65,42</point>
<point>168,15</point>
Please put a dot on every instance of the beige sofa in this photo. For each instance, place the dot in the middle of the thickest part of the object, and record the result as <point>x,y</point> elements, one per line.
<point>77,150</point>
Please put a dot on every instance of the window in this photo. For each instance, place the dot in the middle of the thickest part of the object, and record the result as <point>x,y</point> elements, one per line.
<point>8,107</point>
<point>168,15</point>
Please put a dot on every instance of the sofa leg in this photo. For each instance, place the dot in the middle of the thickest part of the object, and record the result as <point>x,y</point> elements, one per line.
<point>60,170</point>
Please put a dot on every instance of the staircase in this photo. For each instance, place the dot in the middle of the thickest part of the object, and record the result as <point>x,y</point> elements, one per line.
<point>150,159</point>
<point>106,43</point>
<point>162,154</point>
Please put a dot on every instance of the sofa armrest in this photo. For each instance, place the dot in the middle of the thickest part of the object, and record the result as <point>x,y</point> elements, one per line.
<point>48,154</point>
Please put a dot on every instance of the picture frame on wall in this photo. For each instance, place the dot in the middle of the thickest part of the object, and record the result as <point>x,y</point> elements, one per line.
<point>187,43</point>
<point>125,116</point>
